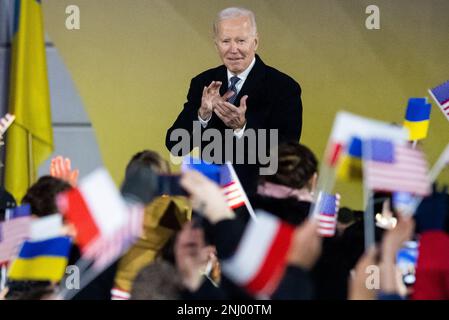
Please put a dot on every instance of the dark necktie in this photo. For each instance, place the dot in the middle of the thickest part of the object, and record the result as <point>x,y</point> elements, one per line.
<point>234,81</point>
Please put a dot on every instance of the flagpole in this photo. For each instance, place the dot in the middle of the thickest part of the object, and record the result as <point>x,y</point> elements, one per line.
<point>368,215</point>
<point>368,218</point>
<point>4,268</point>
<point>3,278</point>
<point>440,164</point>
<point>30,159</point>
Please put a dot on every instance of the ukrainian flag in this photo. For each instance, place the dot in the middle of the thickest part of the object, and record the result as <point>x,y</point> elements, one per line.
<point>417,118</point>
<point>350,166</point>
<point>41,260</point>
<point>30,138</point>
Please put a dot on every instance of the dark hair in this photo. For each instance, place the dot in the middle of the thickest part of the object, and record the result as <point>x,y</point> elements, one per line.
<point>149,159</point>
<point>160,280</point>
<point>297,165</point>
<point>28,290</point>
<point>42,195</point>
<point>6,201</point>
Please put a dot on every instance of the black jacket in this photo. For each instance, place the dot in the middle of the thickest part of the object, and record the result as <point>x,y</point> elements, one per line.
<point>274,102</point>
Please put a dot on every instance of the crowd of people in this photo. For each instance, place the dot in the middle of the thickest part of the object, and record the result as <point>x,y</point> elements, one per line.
<point>194,245</point>
<point>189,243</point>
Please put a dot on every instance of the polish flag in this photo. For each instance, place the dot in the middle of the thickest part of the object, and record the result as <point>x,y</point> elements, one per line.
<point>96,208</point>
<point>260,260</point>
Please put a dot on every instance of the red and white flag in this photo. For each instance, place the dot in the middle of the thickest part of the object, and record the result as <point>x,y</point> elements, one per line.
<point>106,249</point>
<point>96,208</point>
<point>260,260</point>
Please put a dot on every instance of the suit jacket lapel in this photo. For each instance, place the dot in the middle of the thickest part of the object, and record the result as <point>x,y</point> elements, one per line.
<point>251,85</point>
<point>222,76</point>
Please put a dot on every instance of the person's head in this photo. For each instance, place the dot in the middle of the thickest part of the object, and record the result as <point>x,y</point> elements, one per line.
<point>159,280</point>
<point>29,290</point>
<point>7,201</point>
<point>149,159</point>
<point>236,38</point>
<point>42,195</point>
<point>297,167</point>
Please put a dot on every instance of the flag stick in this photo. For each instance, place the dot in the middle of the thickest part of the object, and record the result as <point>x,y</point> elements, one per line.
<point>90,275</point>
<point>368,216</point>
<point>245,198</point>
<point>3,278</point>
<point>439,165</point>
<point>30,159</point>
<point>82,265</point>
<point>414,144</point>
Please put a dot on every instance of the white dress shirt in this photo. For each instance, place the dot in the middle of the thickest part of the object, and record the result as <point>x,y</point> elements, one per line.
<point>238,132</point>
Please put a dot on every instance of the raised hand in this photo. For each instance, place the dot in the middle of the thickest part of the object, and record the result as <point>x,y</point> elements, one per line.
<point>211,95</point>
<point>62,168</point>
<point>306,246</point>
<point>232,116</point>
<point>206,196</point>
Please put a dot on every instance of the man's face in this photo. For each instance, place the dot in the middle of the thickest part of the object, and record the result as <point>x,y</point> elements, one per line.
<point>236,43</point>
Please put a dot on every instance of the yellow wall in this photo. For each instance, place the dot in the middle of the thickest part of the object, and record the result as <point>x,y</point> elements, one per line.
<point>132,62</point>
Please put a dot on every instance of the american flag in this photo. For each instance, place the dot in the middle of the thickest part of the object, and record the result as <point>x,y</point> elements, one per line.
<point>327,215</point>
<point>441,95</point>
<point>391,168</point>
<point>12,234</point>
<point>232,189</point>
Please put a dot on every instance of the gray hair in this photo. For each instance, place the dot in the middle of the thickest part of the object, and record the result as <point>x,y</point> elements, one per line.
<point>234,12</point>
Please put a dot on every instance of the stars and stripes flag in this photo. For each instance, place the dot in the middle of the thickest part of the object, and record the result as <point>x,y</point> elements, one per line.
<point>441,96</point>
<point>260,259</point>
<point>389,167</point>
<point>14,232</point>
<point>327,214</point>
<point>232,189</point>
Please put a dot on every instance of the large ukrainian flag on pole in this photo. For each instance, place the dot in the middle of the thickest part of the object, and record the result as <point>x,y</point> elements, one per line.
<point>30,138</point>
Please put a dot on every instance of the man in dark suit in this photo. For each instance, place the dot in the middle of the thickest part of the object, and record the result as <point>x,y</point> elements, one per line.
<point>243,95</point>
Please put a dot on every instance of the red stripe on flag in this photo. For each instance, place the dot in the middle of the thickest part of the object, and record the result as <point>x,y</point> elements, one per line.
<point>335,154</point>
<point>237,205</point>
<point>79,214</point>
<point>273,265</point>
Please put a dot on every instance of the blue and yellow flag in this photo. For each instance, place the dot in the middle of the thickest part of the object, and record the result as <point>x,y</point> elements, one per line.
<point>417,118</point>
<point>30,138</point>
<point>350,166</point>
<point>41,260</point>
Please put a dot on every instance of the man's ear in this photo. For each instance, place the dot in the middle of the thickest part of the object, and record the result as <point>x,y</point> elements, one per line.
<point>256,42</point>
